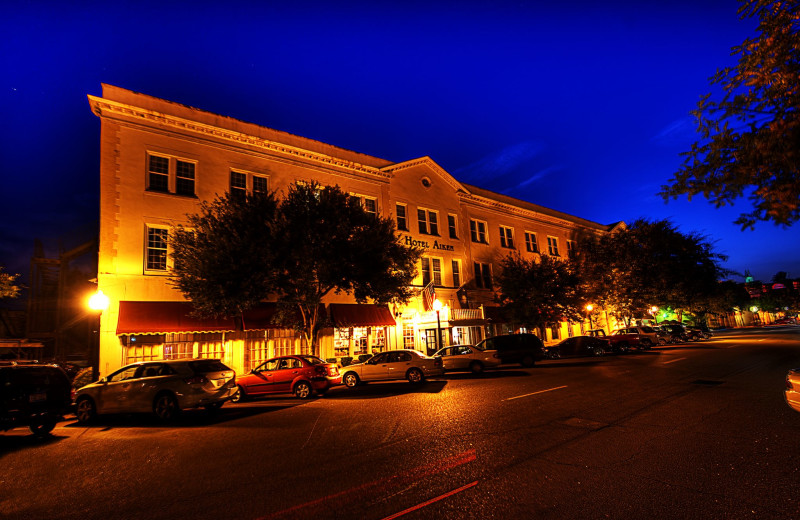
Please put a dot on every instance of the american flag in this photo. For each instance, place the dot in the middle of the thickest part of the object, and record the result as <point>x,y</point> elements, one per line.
<point>428,296</point>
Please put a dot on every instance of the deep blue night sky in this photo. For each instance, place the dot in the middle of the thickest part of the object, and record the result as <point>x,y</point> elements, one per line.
<point>583,108</point>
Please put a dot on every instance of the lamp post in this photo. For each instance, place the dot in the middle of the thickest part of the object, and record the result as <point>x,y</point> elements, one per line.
<point>97,302</point>
<point>654,313</point>
<point>589,309</point>
<point>437,306</point>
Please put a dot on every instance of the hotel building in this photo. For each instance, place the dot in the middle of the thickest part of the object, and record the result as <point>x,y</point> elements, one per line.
<point>160,159</point>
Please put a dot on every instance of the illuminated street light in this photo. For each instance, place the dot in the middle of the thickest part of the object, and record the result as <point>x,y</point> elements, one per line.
<point>654,313</point>
<point>589,309</point>
<point>437,306</point>
<point>98,301</point>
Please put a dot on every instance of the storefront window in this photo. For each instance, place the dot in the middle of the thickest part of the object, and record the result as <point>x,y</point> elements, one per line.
<point>408,335</point>
<point>211,346</point>
<point>178,346</point>
<point>146,352</point>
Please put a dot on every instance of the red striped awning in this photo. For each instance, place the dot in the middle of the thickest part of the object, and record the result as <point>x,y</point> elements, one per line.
<point>361,315</point>
<point>165,317</point>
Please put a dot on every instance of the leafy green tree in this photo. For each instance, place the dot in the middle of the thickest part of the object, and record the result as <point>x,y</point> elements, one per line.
<point>649,263</point>
<point>750,138</point>
<point>8,285</point>
<point>329,244</point>
<point>223,257</point>
<point>535,294</point>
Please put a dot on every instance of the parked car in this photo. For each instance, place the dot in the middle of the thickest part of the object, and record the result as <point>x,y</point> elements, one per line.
<point>786,321</point>
<point>792,391</point>
<point>525,349</point>
<point>301,375</point>
<point>579,346</point>
<point>391,365</point>
<point>468,357</point>
<point>634,337</point>
<point>697,333</point>
<point>671,333</point>
<point>33,395</point>
<point>162,387</point>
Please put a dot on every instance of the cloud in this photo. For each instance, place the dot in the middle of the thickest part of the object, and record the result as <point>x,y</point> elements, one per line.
<point>541,174</point>
<point>500,164</point>
<point>679,131</point>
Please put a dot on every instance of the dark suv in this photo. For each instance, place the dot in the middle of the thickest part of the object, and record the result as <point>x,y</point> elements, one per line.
<point>33,395</point>
<point>525,349</point>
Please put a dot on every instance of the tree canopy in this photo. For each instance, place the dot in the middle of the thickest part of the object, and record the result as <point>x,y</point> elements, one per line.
<point>8,285</point>
<point>749,142</point>
<point>318,240</point>
<point>536,294</point>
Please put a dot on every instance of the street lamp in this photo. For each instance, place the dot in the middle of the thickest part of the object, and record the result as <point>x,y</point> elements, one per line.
<point>437,306</point>
<point>654,313</point>
<point>589,309</point>
<point>98,301</point>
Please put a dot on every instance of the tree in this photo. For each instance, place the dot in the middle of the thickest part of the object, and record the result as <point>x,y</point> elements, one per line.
<point>750,138</point>
<point>649,263</point>
<point>329,244</point>
<point>8,285</point>
<point>223,258</point>
<point>238,252</point>
<point>535,294</point>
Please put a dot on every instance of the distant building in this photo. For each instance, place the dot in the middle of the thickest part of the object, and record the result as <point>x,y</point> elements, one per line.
<point>160,159</point>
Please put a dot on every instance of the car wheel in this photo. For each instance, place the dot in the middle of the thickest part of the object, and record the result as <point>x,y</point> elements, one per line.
<point>414,375</point>
<point>646,344</point>
<point>303,390</point>
<point>528,361</point>
<point>42,427</point>
<point>239,395</point>
<point>165,406</point>
<point>599,351</point>
<point>476,367</point>
<point>350,379</point>
<point>85,410</point>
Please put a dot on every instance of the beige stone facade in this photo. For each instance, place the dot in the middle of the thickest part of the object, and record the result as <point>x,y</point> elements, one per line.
<point>160,159</point>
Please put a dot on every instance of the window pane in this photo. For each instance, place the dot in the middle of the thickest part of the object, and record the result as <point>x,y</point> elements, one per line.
<point>260,184</point>
<point>487,277</point>
<point>422,219</point>
<point>156,249</point>
<point>451,226</point>
<point>426,271</point>
<point>158,178</point>
<point>401,217</point>
<point>371,206</point>
<point>437,271</point>
<point>434,222</point>
<point>456,273</point>
<point>184,178</point>
<point>478,278</point>
<point>238,185</point>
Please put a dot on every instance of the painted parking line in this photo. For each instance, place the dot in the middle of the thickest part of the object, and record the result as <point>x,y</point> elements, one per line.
<point>534,393</point>
<point>673,360</point>
<point>431,501</point>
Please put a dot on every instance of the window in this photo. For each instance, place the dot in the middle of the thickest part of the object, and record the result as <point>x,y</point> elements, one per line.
<point>552,246</point>
<point>402,219</point>
<point>260,184</point>
<point>158,174</point>
<point>425,267</point>
<point>483,275</point>
<point>530,242</point>
<point>506,237</point>
<point>436,263</point>
<point>408,335</point>
<point>370,204</point>
<point>570,248</point>
<point>211,346</point>
<point>428,221</point>
<point>477,230</point>
<point>178,346</point>
<point>451,226</point>
<point>238,185</point>
<point>456,273</point>
<point>156,249</point>
<point>159,170</point>
<point>184,178</point>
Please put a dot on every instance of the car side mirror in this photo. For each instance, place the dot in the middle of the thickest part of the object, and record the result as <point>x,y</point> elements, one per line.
<point>102,380</point>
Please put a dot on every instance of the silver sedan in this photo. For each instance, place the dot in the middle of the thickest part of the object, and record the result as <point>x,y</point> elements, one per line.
<point>393,364</point>
<point>468,357</point>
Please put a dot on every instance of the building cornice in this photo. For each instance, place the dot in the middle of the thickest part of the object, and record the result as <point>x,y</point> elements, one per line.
<point>105,108</point>
<point>507,209</point>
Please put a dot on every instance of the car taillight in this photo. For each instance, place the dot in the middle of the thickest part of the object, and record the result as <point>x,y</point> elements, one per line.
<point>196,380</point>
<point>334,370</point>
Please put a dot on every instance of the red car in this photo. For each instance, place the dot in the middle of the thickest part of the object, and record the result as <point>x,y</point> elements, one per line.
<point>301,375</point>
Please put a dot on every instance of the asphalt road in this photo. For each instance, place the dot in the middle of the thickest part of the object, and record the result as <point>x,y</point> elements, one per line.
<point>693,431</point>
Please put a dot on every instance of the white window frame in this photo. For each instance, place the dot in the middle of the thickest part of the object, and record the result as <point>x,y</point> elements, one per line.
<point>480,278</point>
<point>147,248</point>
<point>552,245</point>
<point>507,237</point>
<point>428,227</point>
<point>172,174</point>
<point>452,232</point>
<point>362,199</point>
<point>570,248</point>
<point>397,206</point>
<point>455,262</point>
<point>477,231</point>
<point>531,242</point>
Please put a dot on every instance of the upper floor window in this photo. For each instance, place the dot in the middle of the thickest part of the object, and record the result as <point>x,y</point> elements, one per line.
<point>161,170</point>
<point>242,182</point>
<point>530,242</point>
<point>370,204</point>
<point>456,273</point>
<point>402,218</point>
<point>156,249</point>
<point>260,184</point>
<point>451,226</point>
<point>552,246</point>
<point>431,270</point>
<point>570,248</point>
<point>483,275</point>
<point>477,230</point>
<point>507,237</point>
<point>428,221</point>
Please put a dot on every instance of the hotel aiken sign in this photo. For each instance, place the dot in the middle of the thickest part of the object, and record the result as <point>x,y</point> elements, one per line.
<point>410,242</point>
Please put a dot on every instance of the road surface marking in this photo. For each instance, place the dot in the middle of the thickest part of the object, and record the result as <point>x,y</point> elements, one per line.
<point>534,393</point>
<point>674,360</point>
<point>431,501</point>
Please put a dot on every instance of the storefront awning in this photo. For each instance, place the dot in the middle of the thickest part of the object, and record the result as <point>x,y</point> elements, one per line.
<point>165,317</point>
<point>360,315</point>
